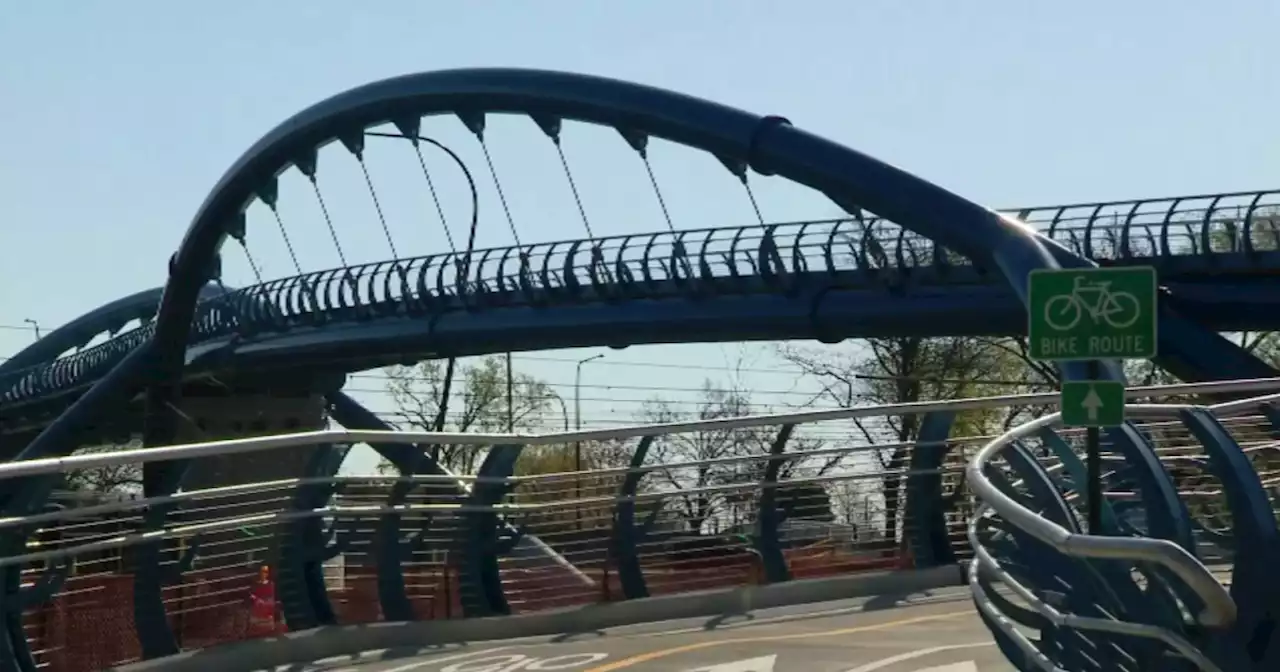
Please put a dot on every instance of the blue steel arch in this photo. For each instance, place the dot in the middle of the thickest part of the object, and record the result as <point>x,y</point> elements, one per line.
<point>108,318</point>
<point>767,145</point>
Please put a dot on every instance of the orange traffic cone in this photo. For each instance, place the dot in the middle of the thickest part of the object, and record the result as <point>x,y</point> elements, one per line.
<point>262,608</point>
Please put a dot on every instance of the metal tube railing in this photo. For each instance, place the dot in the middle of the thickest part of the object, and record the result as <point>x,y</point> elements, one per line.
<point>56,465</point>
<point>1219,608</point>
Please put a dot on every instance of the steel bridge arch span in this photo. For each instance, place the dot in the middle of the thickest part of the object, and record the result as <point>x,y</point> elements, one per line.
<point>765,144</point>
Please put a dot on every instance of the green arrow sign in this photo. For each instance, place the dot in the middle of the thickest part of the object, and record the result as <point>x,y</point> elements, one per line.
<point>1089,403</point>
<point>1092,313</point>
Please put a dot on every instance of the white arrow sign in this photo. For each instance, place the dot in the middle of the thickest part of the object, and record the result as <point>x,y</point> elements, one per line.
<point>1092,402</point>
<point>761,664</point>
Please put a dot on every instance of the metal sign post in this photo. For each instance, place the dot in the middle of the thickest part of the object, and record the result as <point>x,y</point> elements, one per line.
<point>1092,314</point>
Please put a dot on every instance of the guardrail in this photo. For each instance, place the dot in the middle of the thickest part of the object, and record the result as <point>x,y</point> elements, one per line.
<point>1216,633</point>
<point>775,497</point>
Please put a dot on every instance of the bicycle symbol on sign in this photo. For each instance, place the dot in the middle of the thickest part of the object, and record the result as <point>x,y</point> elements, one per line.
<point>1117,310</point>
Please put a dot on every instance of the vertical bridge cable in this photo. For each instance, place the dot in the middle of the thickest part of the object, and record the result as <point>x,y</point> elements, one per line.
<point>497,185</point>
<point>577,198</point>
<point>679,260</point>
<point>269,194</point>
<point>640,143</point>
<point>239,233</point>
<point>328,221</point>
<point>662,202</point>
<point>551,126</point>
<point>253,265</point>
<point>308,166</point>
<point>431,187</point>
<point>355,144</point>
<point>751,195</point>
<point>288,243</point>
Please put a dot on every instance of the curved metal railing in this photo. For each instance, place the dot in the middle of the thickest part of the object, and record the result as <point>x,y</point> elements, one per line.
<point>797,501</point>
<point>1000,514</point>
<point>785,257</point>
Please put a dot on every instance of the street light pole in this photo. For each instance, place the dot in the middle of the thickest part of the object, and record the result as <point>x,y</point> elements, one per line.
<point>577,444</point>
<point>35,326</point>
<point>577,409</point>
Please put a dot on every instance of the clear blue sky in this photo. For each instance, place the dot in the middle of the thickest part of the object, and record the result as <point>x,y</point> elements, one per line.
<point>116,118</point>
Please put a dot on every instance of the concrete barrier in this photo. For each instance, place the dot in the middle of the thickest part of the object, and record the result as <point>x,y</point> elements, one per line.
<point>347,640</point>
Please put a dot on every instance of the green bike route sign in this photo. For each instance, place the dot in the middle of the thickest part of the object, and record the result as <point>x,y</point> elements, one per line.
<point>1092,313</point>
<point>1092,403</point>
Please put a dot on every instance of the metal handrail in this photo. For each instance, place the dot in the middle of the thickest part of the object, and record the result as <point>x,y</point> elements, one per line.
<point>54,465</point>
<point>983,561</point>
<point>1103,230</point>
<point>1219,607</point>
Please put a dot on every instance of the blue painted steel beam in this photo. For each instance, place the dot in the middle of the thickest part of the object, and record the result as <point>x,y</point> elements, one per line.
<point>627,533</point>
<point>1257,539</point>
<point>925,514</point>
<point>982,309</point>
<point>305,547</point>
<point>480,583</point>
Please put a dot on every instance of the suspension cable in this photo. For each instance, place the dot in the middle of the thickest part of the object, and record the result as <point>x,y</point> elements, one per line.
<point>435,196</point>
<point>253,265</point>
<point>288,243</point>
<point>751,195</point>
<point>497,185</point>
<point>333,232</point>
<point>377,205</point>
<point>577,198</point>
<point>653,181</point>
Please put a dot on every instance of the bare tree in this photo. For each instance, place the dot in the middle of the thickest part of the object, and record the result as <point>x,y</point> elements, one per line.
<point>478,403</point>
<point>908,370</point>
<point>712,453</point>
<point>116,480</point>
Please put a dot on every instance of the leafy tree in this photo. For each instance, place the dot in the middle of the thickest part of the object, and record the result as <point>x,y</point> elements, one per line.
<point>478,404</point>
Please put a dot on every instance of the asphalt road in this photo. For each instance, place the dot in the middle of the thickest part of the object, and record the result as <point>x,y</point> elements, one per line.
<point>936,632</point>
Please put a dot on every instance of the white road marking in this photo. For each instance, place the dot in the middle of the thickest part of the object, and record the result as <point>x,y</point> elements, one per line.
<point>760,664</point>
<point>446,659</point>
<point>893,660</point>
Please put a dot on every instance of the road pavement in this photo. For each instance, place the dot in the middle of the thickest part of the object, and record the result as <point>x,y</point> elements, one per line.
<point>929,632</point>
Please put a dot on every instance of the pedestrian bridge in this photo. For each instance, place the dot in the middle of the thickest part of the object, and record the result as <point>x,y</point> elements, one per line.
<point>168,568</point>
